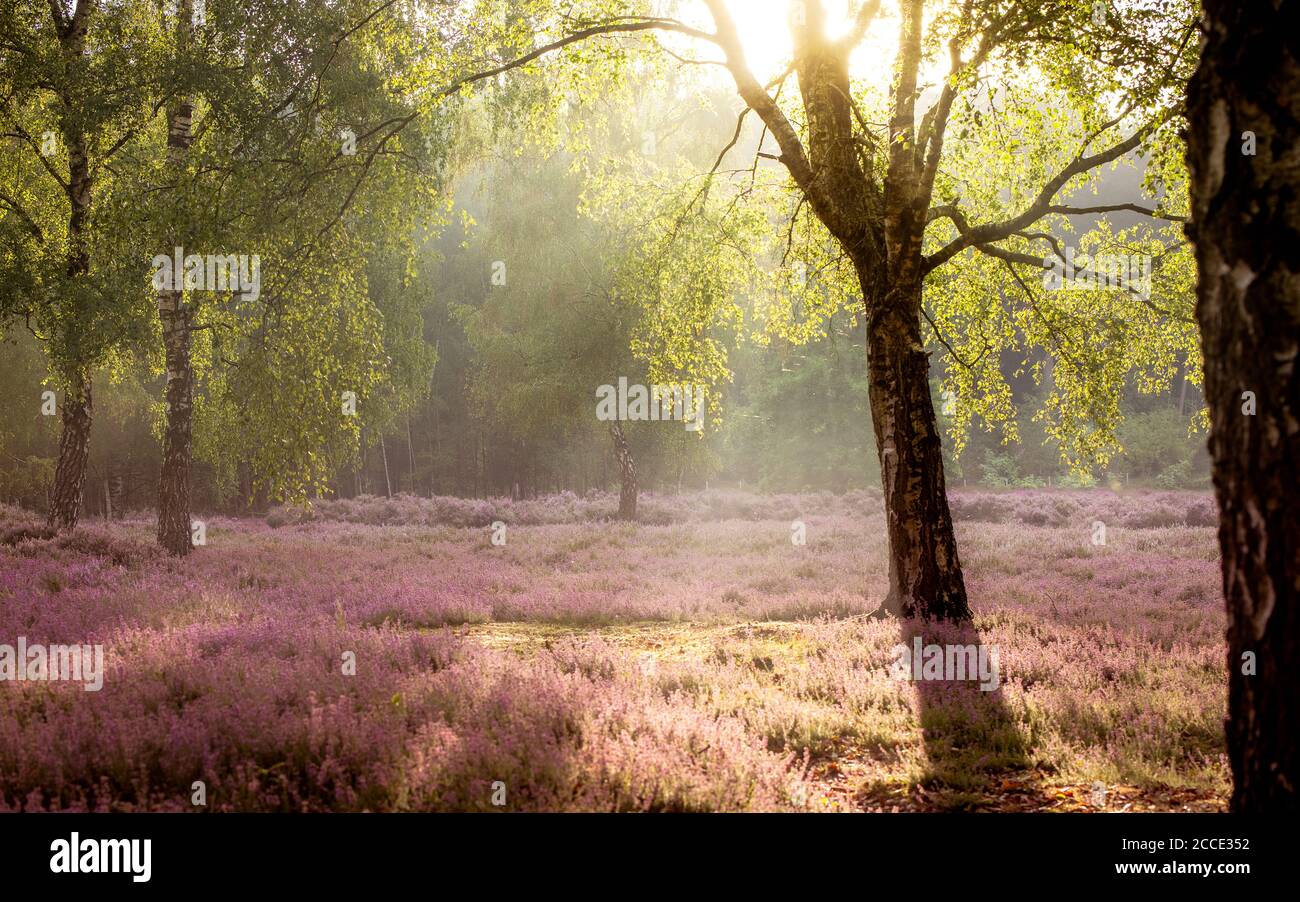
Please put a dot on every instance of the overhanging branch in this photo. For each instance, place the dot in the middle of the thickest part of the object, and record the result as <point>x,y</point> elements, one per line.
<point>1042,205</point>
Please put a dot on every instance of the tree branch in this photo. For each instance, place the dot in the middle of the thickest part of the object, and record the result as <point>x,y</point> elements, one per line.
<point>996,231</point>
<point>951,212</point>
<point>861,23</point>
<point>756,97</point>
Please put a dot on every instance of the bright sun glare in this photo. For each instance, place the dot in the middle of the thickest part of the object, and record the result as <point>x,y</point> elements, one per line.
<point>764,27</point>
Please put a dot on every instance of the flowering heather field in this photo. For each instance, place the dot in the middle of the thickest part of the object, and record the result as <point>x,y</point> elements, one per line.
<point>697,661</point>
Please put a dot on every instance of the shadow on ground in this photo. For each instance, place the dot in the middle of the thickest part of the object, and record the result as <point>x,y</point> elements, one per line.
<point>970,735</point>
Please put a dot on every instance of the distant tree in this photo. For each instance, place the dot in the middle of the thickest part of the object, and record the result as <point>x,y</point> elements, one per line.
<point>280,124</point>
<point>549,331</point>
<point>76,81</point>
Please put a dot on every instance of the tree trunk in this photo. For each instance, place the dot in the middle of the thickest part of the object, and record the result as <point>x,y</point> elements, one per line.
<point>433,455</point>
<point>74,442</point>
<point>627,470</point>
<point>925,578</point>
<point>178,451</point>
<point>174,485</point>
<point>388,480</point>
<point>363,478</point>
<point>117,492</point>
<point>410,454</point>
<point>1245,219</point>
<point>74,448</point>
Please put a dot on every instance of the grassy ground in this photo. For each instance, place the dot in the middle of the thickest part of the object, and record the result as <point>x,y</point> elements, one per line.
<point>857,760</point>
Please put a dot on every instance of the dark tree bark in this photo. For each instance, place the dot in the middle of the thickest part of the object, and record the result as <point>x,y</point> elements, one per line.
<point>627,472</point>
<point>1246,227</point>
<point>74,448</point>
<point>174,483</point>
<point>925,577</point>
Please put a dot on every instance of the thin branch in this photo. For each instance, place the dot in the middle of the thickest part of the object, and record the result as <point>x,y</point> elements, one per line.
<point>951,212</point>
<point>614,27</point>
<point>740,124</point>
<point>861,24</point>
<point>1153,212</point>
<point>36,148</point>
<point>951,350</point>
<point>792,155</point>
<point>996,231</point>
<point>13,204</point>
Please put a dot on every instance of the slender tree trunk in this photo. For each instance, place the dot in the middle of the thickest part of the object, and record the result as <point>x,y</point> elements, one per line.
<point>433,455</point>
<point>74,442</point>
<point>117,491</point>
<point>1245,219</point>
<point>925,578</point>
<point>245,487</point>
<point>178,452</point>
<point>459,490</point>
<point>388,480</point>
<point>74,449</point>
<point>627,472</point>
<point>363,478</point>
<point>174,483</point>
<point>410,454</point>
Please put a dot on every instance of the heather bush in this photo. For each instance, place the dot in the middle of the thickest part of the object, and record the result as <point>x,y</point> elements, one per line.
<point>1202,511</point>
<point>1033,507</point>
<point>1153,516</point>
<point>984,507</point>
<point>98,541</point>
<point>703,664</point>
<point>16,533</point>
<point>18,524</point>
<point>264,716</point>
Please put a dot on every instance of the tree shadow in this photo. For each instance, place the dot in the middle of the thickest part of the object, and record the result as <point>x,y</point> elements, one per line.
<point>969,732</point>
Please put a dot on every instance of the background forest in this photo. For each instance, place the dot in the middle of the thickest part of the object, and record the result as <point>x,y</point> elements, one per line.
<point>490,388</point>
